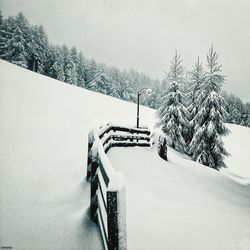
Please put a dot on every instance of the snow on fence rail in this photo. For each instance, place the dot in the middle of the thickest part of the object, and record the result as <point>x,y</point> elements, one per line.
<point>107,191</point>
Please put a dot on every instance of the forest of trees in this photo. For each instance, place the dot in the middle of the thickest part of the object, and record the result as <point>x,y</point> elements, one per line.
<point>194,122</point>
<point>27,46</point>
<point>192,107</point>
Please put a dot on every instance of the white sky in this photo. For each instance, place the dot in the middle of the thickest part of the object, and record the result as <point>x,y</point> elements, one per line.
<point>143,34</point>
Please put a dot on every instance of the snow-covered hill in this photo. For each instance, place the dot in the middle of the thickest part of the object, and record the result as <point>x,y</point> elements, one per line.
<point>43,129</point>
<point>44,196</point>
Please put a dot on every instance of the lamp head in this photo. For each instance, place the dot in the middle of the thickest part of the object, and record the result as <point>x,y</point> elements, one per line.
<point>149,92</point>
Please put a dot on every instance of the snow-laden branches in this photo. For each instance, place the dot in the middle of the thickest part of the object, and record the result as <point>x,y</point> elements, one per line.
<point>192,110</point>
<point>172,114</point>
<point>206,145</point>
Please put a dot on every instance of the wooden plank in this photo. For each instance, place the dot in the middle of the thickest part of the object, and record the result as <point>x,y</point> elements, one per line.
<point>100,188</point>
<point>103,171</point>
<point>93,189</point>
<point>102,229</point>
<point>130,144</point>
<point>124,129</point>
<point>125,138</point>
<point>112,220</point>
<point>131,138</point>
<point>89,156</point>
<point>105,132</point>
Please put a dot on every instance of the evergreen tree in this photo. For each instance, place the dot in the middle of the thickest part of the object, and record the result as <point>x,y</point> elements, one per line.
<point>197,78</point>
<point>115,78</point>
<point>235,109</point>
<point>207,146</point>
<point>33,50</point>
<point>1,18</point>
<point>16,51</point>
<point>50,59</point>
<point>125,87</point>
<point>74,55</point>
<point>92,74</point>
<point>172,115</point>
<point>153,100</point>
<point>24,28</point>
<point>246,115</point>
<point>102,82</point>
<point>56,70</point>
<point>38,50</point>
<point>4,36</point>
<point>81,70</point>
<point>44,49</point>
<point>69,66</point>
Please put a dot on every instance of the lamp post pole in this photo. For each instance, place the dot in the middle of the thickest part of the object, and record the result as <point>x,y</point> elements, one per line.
<point>138,104</point>
<point>149,91</point>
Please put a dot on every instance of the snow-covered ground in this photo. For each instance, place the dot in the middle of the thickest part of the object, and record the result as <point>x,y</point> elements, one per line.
<point>238,145</point>
<point>43,143</point>
<point>44,196</point>
<point>180,204</point>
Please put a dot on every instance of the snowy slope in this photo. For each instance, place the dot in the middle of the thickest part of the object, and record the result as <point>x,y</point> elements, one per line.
<point>43,130</point>
<point>44,196</point>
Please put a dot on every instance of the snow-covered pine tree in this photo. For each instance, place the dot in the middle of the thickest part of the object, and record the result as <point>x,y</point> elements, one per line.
<point>114,91</point>
<point>207,146</point>
<point>69,66</point>
<point>16,44</point>
<point>49,60</point>
<point>91,71</point>
<point>21,37</point>
<point>73,63</point>
<point>44,49</point>
<point>102,82</point>
<point>153,100</point>
<point>38,50</point>
<point>172,114</point>
<point>56,70</point>
<point>235,109</point>
<point>80,69</point>
<point>125,86</point>
<point>4,36</point>
<point>196,80</point>
<point>246,115</point>
<point>115,77</point>
<point>1,18</point>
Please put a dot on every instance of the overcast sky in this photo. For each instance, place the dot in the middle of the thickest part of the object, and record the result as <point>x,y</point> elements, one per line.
<point>143,34</point>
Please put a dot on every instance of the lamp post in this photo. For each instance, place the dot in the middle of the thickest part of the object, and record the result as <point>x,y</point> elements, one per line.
<point>148,92</point>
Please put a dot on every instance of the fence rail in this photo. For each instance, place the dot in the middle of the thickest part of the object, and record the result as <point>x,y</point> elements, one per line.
<point>107,189</point>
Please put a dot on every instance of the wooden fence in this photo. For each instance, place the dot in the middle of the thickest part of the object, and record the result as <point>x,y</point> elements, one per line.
<point>107,192</point>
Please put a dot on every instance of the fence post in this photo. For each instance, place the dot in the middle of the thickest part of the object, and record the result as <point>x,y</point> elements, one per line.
<point>112,219</point>
<point>89,156</point>
<point>93,189</point>
<point>162,148</point>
